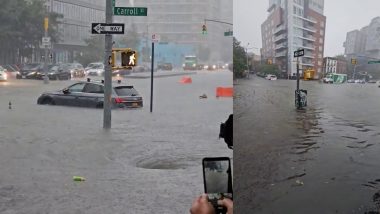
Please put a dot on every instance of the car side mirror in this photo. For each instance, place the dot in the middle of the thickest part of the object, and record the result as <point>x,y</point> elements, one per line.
<point>66,91</point>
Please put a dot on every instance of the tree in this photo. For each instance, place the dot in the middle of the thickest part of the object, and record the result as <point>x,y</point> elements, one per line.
<point>239,59</point>
<point>94,52</point>
<point>22,28</point>
<point>269,69</point>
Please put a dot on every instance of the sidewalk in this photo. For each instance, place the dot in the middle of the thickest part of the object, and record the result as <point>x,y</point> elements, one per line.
<point>158,74</point>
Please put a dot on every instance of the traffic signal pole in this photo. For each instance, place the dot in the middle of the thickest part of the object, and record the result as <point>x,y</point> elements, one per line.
<point>108,70</point>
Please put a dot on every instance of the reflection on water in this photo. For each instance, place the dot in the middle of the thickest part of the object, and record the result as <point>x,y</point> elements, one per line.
<point>321,160</point>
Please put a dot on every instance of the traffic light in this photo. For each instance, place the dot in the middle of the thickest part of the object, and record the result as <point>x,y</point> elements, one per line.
<point>353,61</point>
<point>204,29</point>
<point>128,58</point>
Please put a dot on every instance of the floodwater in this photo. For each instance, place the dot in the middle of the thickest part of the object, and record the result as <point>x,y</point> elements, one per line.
<point>147,163</point>
<point>324,159</point>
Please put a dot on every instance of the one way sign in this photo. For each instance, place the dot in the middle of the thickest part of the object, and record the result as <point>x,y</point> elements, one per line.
<point>103,28</point>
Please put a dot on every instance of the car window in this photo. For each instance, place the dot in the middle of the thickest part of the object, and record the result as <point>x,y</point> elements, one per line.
<point>126,91</point>
<point>93,88</point>
<point>77,87</point>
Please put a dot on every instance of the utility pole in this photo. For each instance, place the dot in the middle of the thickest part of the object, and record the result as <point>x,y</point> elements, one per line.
<point>108,70</point>
<point>46,26</point>
<point>246,54</point>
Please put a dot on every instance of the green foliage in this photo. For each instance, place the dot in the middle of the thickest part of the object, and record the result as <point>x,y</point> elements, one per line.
<point>239,59</point>
<point>94,52</point>
<point>269,69</point>
<point>22,26</point>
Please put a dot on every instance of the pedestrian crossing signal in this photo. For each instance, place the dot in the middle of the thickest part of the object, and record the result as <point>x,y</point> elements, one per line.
<point>353,61</point>
<point>204,29</point>
<point>128,58</point>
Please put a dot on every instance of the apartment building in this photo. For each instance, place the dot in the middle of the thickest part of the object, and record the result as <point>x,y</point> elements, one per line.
<point>180,22</point>
<point>75,25</point>
<point>334,65</point>
<point>291,25</point>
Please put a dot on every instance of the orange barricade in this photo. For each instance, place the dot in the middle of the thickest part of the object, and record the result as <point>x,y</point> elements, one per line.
<point>224,92</point>
<point>186,80</point>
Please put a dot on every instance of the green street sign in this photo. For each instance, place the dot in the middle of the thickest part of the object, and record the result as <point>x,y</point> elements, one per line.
<point>228,33</point>
<point>130,11</point>
<point>373,62</point>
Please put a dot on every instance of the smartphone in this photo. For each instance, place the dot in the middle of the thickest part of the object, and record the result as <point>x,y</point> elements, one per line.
<point>217,180</point>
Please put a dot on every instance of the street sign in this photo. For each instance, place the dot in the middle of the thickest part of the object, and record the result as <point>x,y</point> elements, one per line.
<point>130,11</point>
<point>156,38</point>
<point>103,28</point>
<point>373,62</point>
<point>46,42</point>
<point>228,33</point>
<point>299,53</point>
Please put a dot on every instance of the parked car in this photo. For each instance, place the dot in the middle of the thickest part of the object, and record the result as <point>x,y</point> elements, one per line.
<point>271,77</point>
<point>56,73</point>
<point>360,81</point>
<point>96,69</point>
<point>3,74</point>
<point>372,81</point>
<point>351,81</point>
<point>141,68</point>
<point>91,94</point>
<point>121,72</point>
<point>165,66</point>
<point>89,66</point>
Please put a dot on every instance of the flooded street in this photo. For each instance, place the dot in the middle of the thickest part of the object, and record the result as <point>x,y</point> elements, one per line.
<point>321,160</point>
<point>147,163</point>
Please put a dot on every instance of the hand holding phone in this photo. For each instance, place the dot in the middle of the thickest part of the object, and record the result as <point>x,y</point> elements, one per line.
<point>217,181</point>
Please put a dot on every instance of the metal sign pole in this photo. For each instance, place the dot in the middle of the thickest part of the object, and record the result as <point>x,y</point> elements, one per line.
<point>298,85</point>
<point>151,80</point>
<point>46,78</point>
<point>108,71</point>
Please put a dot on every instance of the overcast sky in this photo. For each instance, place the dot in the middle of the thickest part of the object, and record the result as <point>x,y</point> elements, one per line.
<point>342,16</point>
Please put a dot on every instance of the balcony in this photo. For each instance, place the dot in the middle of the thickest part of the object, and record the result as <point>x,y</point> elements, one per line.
<point>280,29</point>
<point>279,38</point>
<point>308,47</point>
<point>280,46</point>
<point>280,54</point>
<point>305,28</point>
<point>308,38</point>
<point>309,19</point>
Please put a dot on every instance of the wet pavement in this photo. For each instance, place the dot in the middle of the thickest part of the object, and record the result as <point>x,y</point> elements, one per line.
<point>147,163</point>
<point>321,160</point>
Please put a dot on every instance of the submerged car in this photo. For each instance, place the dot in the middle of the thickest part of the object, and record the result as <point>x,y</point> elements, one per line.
<point>165,66</point>
<point>271,77</point>
<point>91,94</point>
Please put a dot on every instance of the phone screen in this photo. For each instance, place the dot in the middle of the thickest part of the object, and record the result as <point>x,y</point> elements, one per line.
<point>217,177</point>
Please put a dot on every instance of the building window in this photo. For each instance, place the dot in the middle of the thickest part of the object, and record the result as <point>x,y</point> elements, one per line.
<point>320,48</point>
<point>320,40</point>
<point>321,32</point>
<point>322,24</point>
